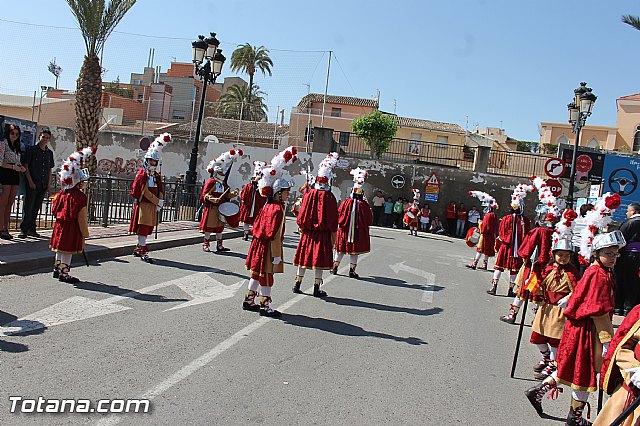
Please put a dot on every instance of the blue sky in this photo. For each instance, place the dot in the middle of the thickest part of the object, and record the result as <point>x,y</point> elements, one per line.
<point>489,62</point>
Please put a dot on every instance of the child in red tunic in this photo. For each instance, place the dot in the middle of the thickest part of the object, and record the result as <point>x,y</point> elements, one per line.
<point>265,256</point>
<point>70,210</point>
<point>488,228</point>
<point>148,192</point>
<point>513,228</point>
<point>214,193</point>
<point>250,199</point>
<point>587,331</point>
<point>318,224</point>
<point>412,216</point>
<point>354,218</point>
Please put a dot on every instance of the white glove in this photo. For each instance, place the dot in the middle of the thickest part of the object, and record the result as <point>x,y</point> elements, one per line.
<point>277,260</point>
<point>563,302</point>
<point>161,203</point>
<point>605,347</point>
<point>635,378</point>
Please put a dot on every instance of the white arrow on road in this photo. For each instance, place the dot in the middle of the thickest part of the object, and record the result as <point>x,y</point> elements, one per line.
<point>73,309</point>
<point>428,276</point>
<point>204,289</point>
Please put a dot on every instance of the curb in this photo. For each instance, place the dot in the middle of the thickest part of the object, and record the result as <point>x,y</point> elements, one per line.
<point>33,264</point>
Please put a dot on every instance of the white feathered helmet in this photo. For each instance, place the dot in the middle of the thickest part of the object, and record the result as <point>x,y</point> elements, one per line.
<point>359,175</point>
<point>222,163</point>
<point>416,195</point>
<point>258,166</point>
<point>597,220</point>
<point>485,199</point>
<point>155,149</point>
<point>519,194</point>
<point>563,233</point>
<point>547,200</point>
<point>71,173</point>
<point>274,176</point>
<point>325,170</point>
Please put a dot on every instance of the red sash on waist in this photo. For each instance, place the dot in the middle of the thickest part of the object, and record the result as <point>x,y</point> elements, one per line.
<point>552,297</point>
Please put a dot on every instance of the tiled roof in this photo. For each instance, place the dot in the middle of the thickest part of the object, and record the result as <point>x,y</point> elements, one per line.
<point>222,127</point>
<point>333,99</point>
<point>635,97</point>
<point>430,125</point>
<point>27,101</point>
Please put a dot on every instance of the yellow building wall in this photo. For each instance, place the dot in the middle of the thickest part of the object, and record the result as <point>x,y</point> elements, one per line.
<point>627,123</point>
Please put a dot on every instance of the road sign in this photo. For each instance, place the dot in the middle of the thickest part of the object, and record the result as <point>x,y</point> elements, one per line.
<point>431,197</point>
<point>397,181</point>
<point>433,180</point>
<point>554,167</point>
<point>343,164</point>
<point>144,143</point>
<point>555,187</point>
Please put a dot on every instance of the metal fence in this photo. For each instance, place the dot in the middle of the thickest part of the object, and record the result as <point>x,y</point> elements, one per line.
<point>514,163</point>
<point>408,151</point>
<point>109,203</point>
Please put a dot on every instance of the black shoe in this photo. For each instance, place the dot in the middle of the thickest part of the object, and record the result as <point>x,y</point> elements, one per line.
<point>220,249</point>
<point>334,270</point>
<point>270,313</point>
<point>296,288</point>
<point>511,293</point>
<point>33,233</point>
<point>618,311</point>
<point>22,235</point>
<point>250,307</point>
<point>68,279</point>
<point>56,274</point>
<point>317,292</point>
<point>531,396</point>
<point>353,274</point>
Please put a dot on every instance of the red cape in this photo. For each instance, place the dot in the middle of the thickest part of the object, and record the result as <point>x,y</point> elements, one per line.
<point>610,375</point>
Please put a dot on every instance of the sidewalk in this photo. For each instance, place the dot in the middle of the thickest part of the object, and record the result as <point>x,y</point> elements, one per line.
<point>26,256</point>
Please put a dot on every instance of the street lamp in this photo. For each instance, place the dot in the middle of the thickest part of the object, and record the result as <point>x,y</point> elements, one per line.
<point>579,110</point>
<point>208,61</point>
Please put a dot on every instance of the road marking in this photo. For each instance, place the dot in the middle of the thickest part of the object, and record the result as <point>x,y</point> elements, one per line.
<point>205,289</point>
<point>200,286</point>
<point>443,263</point>
<point>219,349</point>
<point>73,309</point>
<point>430,278</point>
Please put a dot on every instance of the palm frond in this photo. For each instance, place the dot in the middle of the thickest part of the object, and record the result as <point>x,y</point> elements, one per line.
<point>634,21</point>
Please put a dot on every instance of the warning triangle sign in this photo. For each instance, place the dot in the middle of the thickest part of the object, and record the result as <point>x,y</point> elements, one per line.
<point>433,180</point>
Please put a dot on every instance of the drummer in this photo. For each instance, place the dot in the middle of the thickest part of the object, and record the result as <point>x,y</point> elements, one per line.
<point>216,192</point>
<point>412,216</point>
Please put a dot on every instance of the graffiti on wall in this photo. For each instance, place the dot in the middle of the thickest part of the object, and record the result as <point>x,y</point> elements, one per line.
<point>119,166</point>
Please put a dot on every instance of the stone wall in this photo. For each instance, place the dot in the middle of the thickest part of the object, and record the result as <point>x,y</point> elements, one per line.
<point>119,154</point>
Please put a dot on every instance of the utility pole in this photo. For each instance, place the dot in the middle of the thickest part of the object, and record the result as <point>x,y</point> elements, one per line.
<point>326,88</point>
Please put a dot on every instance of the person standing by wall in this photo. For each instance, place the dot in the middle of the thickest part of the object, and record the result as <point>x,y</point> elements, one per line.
<point>461,214</point>
<point>425,212</point>
<point>10,169</point>
<point>377,208</point>
<point>473,216</point>
<point>397,213</point>
<point>451,219</point>
<point>628,266</point>
<point>38,162</point>
<point>388,212</point>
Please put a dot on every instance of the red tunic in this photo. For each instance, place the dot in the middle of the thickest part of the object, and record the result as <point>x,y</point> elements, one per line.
<point>592,297</point>
<point>512,231</point>
<point>136,225</point>
<point>211,208</point>
<point>416,216</point>
<point>489,231</point>
<point>318,220</point>
<point>353,238</point>
<point>539,239</point>
<point>66,237</point>
<point>266,225</point>
<point>610,375</point>
<point>251,203</point>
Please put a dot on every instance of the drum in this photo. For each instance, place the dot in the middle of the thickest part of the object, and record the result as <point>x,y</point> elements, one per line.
<point>229,213</point>
<point>411,215</point>
<point>473,236</point>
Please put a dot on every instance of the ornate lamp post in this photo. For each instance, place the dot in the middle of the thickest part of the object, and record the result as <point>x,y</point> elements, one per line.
<point>579,110</point>
<point>208,61</point>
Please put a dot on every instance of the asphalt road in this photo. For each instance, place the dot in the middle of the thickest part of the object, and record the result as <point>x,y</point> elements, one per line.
<point>415,341</point>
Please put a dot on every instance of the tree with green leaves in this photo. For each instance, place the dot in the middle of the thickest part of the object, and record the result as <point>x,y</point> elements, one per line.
<point>249,59</point>
<point>377,130</point>
<point>238,102</point>
<point>96,20</point>
<point>634,21</point>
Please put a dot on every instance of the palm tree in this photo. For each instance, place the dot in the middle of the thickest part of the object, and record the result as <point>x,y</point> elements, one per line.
<point>634,21</point>
<point>248,59</point>
<point>96,22</point>
<point>238,103</point>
